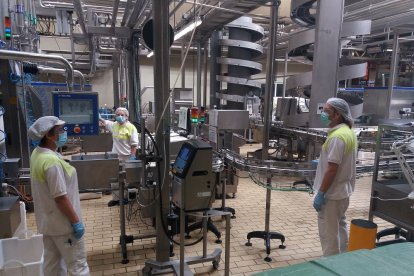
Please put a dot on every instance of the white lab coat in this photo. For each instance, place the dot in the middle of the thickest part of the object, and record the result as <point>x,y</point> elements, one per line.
<point>52,177</point>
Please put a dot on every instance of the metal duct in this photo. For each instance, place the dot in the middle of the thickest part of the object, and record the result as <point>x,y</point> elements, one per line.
<point>51,70</point>
<point>24,56</point>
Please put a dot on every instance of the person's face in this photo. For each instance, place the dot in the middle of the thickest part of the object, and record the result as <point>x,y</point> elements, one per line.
<point>53,134</point>
<point>334,116</point>
<point>120,114</point>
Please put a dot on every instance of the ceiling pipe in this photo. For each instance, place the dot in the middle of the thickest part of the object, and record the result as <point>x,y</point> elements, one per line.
<point>177,7</point>
<point>139,9</point>
<point>51,70</point>
<point>114,13</point>
<point>25,56</point>
<point>127,8</point>
<point>79,12</point>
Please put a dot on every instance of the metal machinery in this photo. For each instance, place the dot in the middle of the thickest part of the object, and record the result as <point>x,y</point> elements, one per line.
<point>193,190</point>
<point>392,190</point>
<point>192,176</point>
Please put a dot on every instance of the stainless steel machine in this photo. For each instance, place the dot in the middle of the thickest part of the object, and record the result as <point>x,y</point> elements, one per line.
<point>193,182</point>
<point>391,196</point>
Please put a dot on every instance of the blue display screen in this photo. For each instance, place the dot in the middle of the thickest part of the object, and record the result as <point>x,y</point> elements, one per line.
<point>182,160</point>
<point>184,153</point>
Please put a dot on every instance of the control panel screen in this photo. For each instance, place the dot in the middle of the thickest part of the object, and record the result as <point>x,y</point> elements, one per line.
<point>183,162</point>
<point>79,110</point>
<point>76,111</point>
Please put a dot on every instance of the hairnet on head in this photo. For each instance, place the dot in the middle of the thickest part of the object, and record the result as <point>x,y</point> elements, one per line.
<point>123,109</point>
<point>342,107</point>
<point>42,126</point>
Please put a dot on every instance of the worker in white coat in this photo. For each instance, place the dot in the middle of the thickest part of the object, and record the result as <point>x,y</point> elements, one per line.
<point>54,185</point>
<point>125,142</point>
<point>335,176</point>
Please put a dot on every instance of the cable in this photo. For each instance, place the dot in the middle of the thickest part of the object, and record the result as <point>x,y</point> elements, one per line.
<point>390,199</point>
<point>178,75</point>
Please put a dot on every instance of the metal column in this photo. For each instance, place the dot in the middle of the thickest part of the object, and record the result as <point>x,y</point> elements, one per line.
<point>115,75</point>
<point>162,135</point>
<point>266,235</point>
<point>199,71</point>
<point>393,71</point>
<point>326,57</point>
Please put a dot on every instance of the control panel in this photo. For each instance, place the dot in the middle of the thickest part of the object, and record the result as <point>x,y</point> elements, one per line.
<point>79,110</point>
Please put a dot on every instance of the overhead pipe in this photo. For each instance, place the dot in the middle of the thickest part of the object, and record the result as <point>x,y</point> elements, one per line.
<point>137,12</point>
<point>127,8</point>
<point>79,12</point>
<point>114,13</point>
<point>177,7</point>
<point>25,56</point>
<point>58,71</point>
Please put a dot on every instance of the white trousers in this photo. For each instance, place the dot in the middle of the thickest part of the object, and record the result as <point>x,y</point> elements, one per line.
<point>64,254</point>
<point>333,231</point>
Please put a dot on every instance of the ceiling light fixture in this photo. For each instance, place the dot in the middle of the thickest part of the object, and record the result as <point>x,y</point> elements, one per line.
<point>185,30</point>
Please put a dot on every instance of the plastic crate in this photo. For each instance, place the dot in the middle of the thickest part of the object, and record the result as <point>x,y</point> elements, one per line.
<point>21,257</point>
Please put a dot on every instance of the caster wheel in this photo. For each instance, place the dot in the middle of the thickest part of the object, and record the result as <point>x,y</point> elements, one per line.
<point>146,271</point>
<point>216,265</point>
<point>268,259</point>
<point>248,243</point>
<point>124,261</point>
<point>219,241</point>
<point>282,246</point>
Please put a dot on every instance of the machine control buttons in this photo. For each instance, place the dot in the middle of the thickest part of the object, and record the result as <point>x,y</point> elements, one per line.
<point>76,129</point>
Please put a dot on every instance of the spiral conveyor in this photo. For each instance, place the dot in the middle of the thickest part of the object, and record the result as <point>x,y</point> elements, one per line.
<point>242,49</point>
<point>300,48</point>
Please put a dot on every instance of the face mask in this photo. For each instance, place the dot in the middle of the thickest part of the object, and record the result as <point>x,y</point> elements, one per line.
<point>120,119</point>
<point>63,138</point>
<point>325,119</point>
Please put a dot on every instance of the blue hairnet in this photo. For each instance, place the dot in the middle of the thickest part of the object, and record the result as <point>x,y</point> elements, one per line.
<point>342,108</point>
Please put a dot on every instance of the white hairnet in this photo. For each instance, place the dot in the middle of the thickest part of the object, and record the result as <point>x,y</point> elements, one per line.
<point>123,109</point>
<point>342,107</point>
<point>43,125</point>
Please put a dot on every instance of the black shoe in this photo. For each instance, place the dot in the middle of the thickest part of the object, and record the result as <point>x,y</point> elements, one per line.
<point>113,203</point>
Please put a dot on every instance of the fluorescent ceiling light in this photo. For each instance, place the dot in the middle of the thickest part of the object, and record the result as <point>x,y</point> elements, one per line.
<point>185,30</point>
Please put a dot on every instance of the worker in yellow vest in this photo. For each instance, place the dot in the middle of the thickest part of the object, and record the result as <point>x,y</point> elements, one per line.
<point>54,185</point>
<point>335,176</point>
<point>125,141</point>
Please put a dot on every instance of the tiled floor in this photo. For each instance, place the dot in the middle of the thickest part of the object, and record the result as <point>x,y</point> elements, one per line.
<point>291,214</point>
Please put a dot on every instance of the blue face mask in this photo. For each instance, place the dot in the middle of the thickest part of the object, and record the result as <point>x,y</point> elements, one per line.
<point>325,119</point>
<point>62,140</point>
<point>120,119</point>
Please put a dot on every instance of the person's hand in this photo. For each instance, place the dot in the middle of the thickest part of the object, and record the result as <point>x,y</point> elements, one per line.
<point>132,157</point>
<point>78,229</point>
<point>319,201</point>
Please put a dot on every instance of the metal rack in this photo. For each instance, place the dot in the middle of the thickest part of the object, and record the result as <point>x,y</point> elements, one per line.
<point>389,199</point>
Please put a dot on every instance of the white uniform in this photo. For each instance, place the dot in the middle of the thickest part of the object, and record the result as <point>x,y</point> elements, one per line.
<point>340,148</point>
<point>52,177</point>
<point>124,136</point>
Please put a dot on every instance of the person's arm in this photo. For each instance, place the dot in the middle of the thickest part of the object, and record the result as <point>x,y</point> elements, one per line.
<point>65,206</point>
<point>329,176</point>
<point>133,150</point>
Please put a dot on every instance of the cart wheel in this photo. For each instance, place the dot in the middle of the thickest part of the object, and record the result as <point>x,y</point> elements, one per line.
<point>216,264</point>
<point>147,271</point>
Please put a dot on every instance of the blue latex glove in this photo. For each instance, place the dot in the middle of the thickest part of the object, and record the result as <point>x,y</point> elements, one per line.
<point>319,201</point>
<point>78,230</point>
<point>132,157</point>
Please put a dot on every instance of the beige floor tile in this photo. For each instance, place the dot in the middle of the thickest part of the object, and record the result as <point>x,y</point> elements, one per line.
<point>292,214</point>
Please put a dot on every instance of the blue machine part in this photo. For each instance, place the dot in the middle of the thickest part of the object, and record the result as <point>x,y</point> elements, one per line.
<point>79,110</point>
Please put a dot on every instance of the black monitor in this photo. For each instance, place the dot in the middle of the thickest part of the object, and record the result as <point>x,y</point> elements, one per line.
<point>183,161</point>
